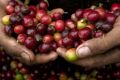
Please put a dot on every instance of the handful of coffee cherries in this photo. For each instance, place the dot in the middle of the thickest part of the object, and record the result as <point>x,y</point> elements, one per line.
<point>43,31</point>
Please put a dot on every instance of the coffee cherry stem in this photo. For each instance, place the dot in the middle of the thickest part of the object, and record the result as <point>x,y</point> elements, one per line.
<point>26,2</point>
<point>65,12</point>
<point>83,20</point>
<point>100,5</point>
<point>96,6</point>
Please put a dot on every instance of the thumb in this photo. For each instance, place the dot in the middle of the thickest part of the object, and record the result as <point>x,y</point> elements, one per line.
<point>101,44</point>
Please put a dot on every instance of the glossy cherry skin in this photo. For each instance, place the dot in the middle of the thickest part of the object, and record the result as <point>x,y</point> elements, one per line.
<point>47,38</point>
<point>28,21</point>
<point>60,25</point>
<point>21,38</point>
<point>19,29</point>
<point>93,16</point>
<point>46,19</point>
<point>44,48</point>
<point>30,42</point>
<point>79,13</point>
<point>9,9</point>
<point>85,33</point>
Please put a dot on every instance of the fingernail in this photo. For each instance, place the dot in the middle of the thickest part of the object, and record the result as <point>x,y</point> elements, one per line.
<point>83,52</point>
<point>25,56</point>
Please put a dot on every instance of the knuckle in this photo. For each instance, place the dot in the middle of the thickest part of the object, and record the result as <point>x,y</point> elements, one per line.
<point>88,64</point>
<point>101,44</point>
<point>97,45</point>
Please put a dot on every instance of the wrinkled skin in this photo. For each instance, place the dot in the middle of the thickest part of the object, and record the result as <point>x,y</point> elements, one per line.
<point>18,51</point>
<point>98,51</point>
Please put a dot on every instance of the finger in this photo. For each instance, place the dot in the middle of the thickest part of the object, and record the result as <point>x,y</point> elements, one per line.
<point>112,56</point>
<point>61,52</point>
<point>15,49</point>
<point>4,3</point>
<point>44,58</point>
<point>101,44</point>
<point>23,61</point>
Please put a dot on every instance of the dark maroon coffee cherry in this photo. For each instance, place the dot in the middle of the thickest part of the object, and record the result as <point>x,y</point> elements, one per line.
<point>54,45</point>
<point>50,29</point>
<point>99,24</point>
<point>73,34</point>
<point>30,31</point>
<point>57,16</point>
<point>77,43</point>
<point>98,33</point>
<point>67,41</point>
<point>25,10</point>
<point>70,24</point>
<point>60,43</point>
<point>8,30</point>
<point>47,39</point>
<point>41,28</point>
<point>65,33</point>
<point>43,5</point>
<point>28,21</point>
<point>21,38</point>
<point>106,27</point>
<point>12,3</point>
<point>93,16</point>
<point>85,33</point>
<point>116,13</point>
<point>44,48</point>
<point>46,19</point>
<point>15,19</point>
<point>110,18</point>
<point>79,14</point>
<point>86,12</point>
<point>30,42</point>
<point>33,11</point>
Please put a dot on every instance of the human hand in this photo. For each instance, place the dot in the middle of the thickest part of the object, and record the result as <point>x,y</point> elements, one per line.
<point>23,54</point>
<point>19,51</point>
<point>98,51</point>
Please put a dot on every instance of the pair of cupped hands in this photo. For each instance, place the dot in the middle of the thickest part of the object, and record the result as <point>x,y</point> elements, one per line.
<point>95,52</point>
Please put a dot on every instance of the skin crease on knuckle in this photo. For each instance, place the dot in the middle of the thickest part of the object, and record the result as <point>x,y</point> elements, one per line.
<point>105,42</point>
<point>112,56</point>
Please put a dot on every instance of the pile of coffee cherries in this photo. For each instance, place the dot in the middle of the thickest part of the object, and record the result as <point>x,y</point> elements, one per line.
<point>43,31</point>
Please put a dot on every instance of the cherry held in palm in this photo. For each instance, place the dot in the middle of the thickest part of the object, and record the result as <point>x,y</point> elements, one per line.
<point>19,29</point>
<point>28,21</point>
<point>85,33</point>
<point>30,42</point>
<point>47,38</point>
<point>45,19</point>
<point>60,25</point>
<point>21,38</point>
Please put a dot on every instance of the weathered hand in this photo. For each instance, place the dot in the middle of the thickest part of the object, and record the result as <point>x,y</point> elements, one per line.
<point>23,54</point>
<point>99,51</point>
<point>19,51</point>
